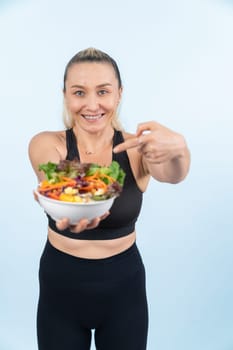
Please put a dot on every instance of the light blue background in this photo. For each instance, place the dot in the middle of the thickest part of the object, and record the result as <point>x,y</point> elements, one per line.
<point>176,63</point>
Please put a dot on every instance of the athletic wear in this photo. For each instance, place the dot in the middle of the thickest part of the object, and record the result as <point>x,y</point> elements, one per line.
<point>125,209</point>
<point>107,295</point>
<point>77,295</point>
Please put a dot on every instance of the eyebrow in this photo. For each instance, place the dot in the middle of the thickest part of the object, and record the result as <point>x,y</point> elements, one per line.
<point>98,86</point>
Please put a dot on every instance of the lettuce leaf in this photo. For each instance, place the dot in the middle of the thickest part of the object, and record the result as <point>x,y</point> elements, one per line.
<point>74,168</point>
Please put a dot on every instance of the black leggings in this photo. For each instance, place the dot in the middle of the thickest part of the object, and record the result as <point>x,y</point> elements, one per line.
<point>78,295</point>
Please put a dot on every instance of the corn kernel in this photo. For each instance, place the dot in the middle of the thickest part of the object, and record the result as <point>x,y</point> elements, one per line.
<point>77,199</point>
<point>66,197</point>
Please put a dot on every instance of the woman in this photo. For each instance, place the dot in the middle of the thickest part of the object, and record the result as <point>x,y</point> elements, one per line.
<point>91,274</point>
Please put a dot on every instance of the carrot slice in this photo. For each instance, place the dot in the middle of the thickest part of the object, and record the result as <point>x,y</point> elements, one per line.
<point>49,187</point>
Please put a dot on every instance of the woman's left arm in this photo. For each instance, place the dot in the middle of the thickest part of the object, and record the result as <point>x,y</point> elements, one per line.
<point>165,154</point>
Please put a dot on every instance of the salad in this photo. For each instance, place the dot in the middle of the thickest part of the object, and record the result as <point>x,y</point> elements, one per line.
<point>72,181</point>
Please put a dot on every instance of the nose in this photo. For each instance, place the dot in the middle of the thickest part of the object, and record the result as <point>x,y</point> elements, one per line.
<point>92,102</point>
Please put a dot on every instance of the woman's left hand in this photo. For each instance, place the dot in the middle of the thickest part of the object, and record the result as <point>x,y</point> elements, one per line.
<point>165,155</point>
<point>157,143</point>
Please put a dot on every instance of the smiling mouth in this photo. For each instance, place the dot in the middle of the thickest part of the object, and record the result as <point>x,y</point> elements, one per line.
<point>92,117</point>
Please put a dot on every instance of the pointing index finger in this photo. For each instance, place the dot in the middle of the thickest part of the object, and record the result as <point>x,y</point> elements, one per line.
<point>127,144</point>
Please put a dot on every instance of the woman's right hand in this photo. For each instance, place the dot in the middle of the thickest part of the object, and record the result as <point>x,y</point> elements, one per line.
<point>83,224</point>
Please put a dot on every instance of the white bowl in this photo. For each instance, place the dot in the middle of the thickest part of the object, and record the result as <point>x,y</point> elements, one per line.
<point>72,210</point>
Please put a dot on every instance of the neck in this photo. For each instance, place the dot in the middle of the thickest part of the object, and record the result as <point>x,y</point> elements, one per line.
<point>94,143</point>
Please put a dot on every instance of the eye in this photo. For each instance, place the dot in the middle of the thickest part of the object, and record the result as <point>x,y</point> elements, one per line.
<point>79,93</point>
<point>102,92</point>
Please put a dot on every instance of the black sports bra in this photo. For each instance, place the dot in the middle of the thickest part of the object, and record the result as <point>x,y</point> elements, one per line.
<point>126,207</point>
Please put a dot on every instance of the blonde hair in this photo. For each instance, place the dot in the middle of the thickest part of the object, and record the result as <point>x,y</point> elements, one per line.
<point>91,55</point>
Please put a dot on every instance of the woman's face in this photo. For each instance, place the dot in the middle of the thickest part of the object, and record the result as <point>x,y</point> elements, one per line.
<point>92,95</point>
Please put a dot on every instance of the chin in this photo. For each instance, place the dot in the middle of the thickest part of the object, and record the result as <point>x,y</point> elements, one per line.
<point>96,126</point>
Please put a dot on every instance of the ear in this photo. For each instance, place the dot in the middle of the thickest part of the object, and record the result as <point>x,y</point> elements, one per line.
<point>120,93</point>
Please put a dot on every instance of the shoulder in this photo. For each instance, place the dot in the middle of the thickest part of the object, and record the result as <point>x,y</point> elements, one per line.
<point>49,139</point>
<point>47,146</point>
<point>127,135</point>
<point>48,136</point>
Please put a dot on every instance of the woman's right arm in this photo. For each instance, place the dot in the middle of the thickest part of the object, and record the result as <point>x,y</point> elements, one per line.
<point>43,148</point>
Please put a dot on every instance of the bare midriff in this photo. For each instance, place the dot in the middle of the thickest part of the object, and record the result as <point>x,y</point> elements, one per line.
<point>91,249</point>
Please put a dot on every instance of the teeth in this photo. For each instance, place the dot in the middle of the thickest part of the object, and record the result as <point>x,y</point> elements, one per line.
<point>92,117</point>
